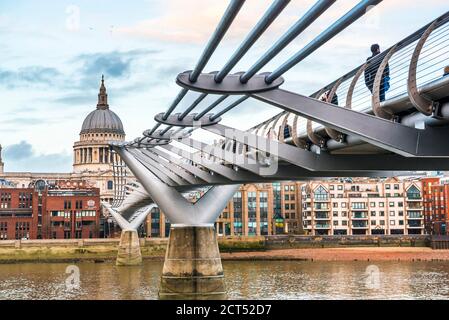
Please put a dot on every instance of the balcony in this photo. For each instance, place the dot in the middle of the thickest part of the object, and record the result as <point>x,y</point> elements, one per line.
<point>414,207</point>
<point>322,208</point>
<point>360,225</point>
<point>415,218</point>
<point>321,216</point>
<point>360,216</point>
<point>413,199</point>
<point>322,226</point>
<point>415,226</point>
<point>359,208</point>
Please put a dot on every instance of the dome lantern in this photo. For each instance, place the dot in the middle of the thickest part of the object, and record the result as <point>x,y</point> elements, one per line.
<point>102,120</point>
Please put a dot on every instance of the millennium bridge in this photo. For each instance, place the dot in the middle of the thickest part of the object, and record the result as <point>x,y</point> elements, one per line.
<point>387,117</point>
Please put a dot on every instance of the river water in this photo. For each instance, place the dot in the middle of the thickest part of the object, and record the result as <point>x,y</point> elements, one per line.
<point>244,280</point>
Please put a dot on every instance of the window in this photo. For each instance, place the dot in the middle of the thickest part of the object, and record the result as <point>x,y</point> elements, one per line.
<point>392,213</point>
<point>110,185</point>
<point>79,204</point>
<point>344,223</point>
<point>413,193</point>
<point>391,204</point>
<point>22,230</point>
<point>372,204</point>
<point>336,223</point>
<point>392,223</point>
<point>396,187</point>
<point>335,205</point>
<point>373,222</point>
<point>340,187</point>
<point>373,213</point>
<point>332,187</point>
<point>286,197</point>
<point>358,205</point>
<point>321,194</point>
<point>381,204</point>
<point>387,187</point>
<point>67,204</point>
<point>3,231</point>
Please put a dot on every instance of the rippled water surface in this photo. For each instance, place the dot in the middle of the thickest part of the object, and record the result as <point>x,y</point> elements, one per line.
<point>244,280</point>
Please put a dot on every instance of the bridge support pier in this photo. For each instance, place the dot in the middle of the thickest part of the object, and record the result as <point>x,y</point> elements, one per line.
<point>129,253</point>
<point>192,268</point>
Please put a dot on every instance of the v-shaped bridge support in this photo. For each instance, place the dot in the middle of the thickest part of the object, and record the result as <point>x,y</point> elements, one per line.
<point>178,209</point>
<point>192,267</point>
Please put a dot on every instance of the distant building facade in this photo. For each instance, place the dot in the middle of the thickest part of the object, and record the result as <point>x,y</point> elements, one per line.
<point>67,210</point>
<point>17,219</point>
<point>362,207</point>
<point>254,210</point>
<point>436,205</point>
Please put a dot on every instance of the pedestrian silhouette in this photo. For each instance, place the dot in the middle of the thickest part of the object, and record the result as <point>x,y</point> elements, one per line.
<point>370,73</point>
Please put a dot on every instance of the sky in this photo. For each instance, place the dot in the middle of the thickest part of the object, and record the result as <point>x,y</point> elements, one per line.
<point>53,54</point>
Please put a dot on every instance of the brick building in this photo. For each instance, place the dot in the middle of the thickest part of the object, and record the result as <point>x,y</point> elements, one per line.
<point>64,210</point>
<point>17,217</point>
<point>436,204</point>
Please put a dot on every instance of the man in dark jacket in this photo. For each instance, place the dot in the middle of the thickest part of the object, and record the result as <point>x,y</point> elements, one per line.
<point>370,73</point>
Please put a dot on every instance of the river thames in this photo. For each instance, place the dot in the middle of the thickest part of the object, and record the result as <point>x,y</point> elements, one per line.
<point>244,280</point>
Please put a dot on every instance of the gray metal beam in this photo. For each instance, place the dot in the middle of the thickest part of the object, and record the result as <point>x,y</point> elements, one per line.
<point>388,135</point>
<point>354,14</point>
<point>309,17</point>
<point>235,159</point>
<point>220,169</point>
<point>202,174</point>
<point>224,24</point>
<point>187,176</point>
<point>153,168</point>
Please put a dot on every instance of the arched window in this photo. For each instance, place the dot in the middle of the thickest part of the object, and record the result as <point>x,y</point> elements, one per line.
<point>413,193</point>
<point>110,185</point>
<point>321,194</point>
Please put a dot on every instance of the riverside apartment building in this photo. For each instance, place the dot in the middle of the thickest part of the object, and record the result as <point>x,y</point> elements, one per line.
<point>362,207</point>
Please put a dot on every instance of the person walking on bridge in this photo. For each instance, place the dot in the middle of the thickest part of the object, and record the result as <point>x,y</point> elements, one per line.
<point>370,73</point>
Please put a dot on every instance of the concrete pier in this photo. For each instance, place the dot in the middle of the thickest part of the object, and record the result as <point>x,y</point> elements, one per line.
<point>192,268</point>
<point>129,253</point>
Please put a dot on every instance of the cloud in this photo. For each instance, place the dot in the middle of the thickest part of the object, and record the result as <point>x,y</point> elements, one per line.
<point>22,157</point>
<point>114,64</point>
<point>191,21</point>
<point>29,76</point>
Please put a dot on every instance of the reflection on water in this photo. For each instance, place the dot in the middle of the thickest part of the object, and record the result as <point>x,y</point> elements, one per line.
<point>244,279</point>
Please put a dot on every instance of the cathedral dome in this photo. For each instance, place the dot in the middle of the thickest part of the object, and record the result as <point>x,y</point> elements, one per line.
<point>102,120</point>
